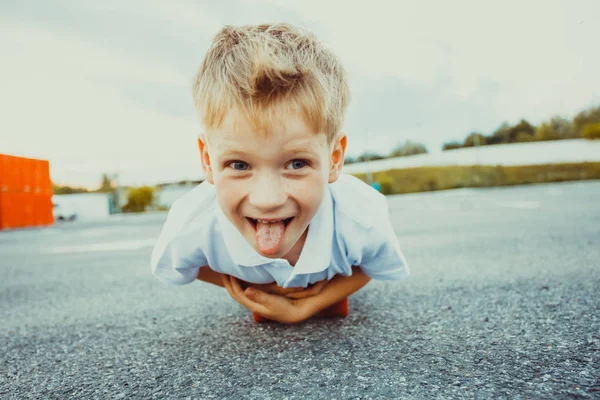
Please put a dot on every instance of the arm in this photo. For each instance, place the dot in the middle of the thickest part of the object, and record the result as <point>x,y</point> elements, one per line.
<point>286,310</point>
<point>207,274</point>
<point>337,290</point>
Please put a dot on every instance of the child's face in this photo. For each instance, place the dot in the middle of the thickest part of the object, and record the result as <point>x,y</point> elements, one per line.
<point>271,185</point>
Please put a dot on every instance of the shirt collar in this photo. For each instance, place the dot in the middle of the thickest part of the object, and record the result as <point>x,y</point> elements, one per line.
<point>315,255</point>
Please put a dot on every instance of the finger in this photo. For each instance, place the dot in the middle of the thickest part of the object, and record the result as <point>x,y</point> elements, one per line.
<point>225,280</point>
<point>319,286</point>
<point>259,297</point>
<point>284,291</point>
<point>237,293</point>
<point>237,288</point>
<point>299,295</point>
<point>245,300</point>
<point>229,288</point>
<point>312,291</point>
<point>226,284</point>
<point>278,308</point>
<point>273,306</point>
<point>274,288</point>
<point>235,284</point>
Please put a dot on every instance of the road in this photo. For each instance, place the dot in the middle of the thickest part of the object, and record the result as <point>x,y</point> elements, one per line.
<point>503,302</point>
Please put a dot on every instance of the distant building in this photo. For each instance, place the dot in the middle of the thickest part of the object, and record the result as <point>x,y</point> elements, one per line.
<point>85,206</point>
<point>167,193</point>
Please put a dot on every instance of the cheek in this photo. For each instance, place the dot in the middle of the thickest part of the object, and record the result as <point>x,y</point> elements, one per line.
<point>226,194</point>
<point>309,192</point>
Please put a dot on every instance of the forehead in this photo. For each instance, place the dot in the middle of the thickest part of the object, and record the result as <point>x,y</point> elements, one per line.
<point>285,130</point>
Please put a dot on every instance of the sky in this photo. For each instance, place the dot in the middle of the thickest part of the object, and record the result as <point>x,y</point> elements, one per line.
<point>105,86</point>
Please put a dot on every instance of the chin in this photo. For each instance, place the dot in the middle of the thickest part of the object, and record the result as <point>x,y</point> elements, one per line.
<point>279,254</point>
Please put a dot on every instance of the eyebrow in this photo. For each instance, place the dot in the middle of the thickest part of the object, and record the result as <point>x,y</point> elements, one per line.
<point>303,148</point>
<point>297,153</point>
<point>229,153</point>
<point>306,146</point>
<point>300,152</point>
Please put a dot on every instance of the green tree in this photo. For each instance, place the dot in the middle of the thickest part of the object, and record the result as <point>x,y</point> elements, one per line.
<point>57,189</point>
<point>546,132</point>
<point>408,148</point>
<point>555,129</point>
<point>523,137</point>
<point>563,128</point>
<point>139,199</point>
<point>107,185</point>
<point>475,139</point>
<point>522,127</point>
<point>369,156</point>
<point>500,135</point>
<point>349,160</point>
<point>508,134</point>
<point>591,131</point>
<point>451,145</point>
<point>590,116</point>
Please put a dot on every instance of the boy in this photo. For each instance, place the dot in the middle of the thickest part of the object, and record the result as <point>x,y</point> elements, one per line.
<point>275,222</point>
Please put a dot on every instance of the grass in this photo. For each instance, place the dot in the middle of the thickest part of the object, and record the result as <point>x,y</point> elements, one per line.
<point>424,179</point>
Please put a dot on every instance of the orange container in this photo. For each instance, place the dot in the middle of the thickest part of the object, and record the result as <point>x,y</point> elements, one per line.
<point>43,209</point>
<point>19,174</point>
<point>4,218</point>
<point>37,177</point>
<point>49,209</point>
<point>16,170</point>
<point>25,192</point>
<point>2,172</point>
<point>28,207</point>
<point>47,181</point>
<point>29,166</point>
<point>41,177</point>
<point>6,173</point>
<point>18,209</point>
<point>9,211</point>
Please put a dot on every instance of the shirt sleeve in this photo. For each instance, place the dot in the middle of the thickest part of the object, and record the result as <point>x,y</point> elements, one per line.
<point>178,253</point>
<point>381,256</point>
<point>370,240</point>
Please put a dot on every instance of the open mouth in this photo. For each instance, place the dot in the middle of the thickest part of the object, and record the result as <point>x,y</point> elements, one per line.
<point>254,222</point>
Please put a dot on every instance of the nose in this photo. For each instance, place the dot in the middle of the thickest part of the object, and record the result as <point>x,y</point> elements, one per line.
<point>267,193</point>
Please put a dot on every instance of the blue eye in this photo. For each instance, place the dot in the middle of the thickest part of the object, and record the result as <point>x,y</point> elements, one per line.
<point>298,164</point>
<point>239,165</point>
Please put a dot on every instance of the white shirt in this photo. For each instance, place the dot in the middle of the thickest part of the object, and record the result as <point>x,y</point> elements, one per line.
<point>350,228</point>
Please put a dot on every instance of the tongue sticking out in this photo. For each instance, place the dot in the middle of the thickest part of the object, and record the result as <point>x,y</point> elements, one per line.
<point>269,236</point>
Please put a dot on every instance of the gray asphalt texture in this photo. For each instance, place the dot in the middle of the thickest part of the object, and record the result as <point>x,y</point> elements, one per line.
<point>503,302</point>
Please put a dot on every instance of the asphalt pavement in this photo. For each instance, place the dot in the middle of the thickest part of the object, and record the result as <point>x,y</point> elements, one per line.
<point>503,302</point>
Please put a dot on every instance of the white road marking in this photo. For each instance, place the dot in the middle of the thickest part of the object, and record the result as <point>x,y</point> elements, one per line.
<point>100,247</point>
<point>521,204</point>
<point>554,192</point>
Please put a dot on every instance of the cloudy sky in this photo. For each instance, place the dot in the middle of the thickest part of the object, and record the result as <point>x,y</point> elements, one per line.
<point>104,86</point>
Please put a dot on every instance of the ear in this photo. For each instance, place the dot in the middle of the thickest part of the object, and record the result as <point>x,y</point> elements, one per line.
<point>338,149</point>
<point>205,159</point>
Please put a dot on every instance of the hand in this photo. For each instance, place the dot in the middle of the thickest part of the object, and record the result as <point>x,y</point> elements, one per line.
<point>313,290</point>
<point>271,306</point>
<point>290,293</point>
<point>272,288</point>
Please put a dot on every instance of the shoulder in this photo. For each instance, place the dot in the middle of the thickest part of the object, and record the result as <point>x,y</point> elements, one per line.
<point>198,203</point>
<point>363,230</point>
<point>184,240</point>
<point>358,201</point>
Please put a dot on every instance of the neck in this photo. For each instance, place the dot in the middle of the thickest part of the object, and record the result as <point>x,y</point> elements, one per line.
<point>294,254</point>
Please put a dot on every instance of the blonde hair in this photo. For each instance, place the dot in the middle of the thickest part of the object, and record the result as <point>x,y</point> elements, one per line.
<point>258,69</point>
